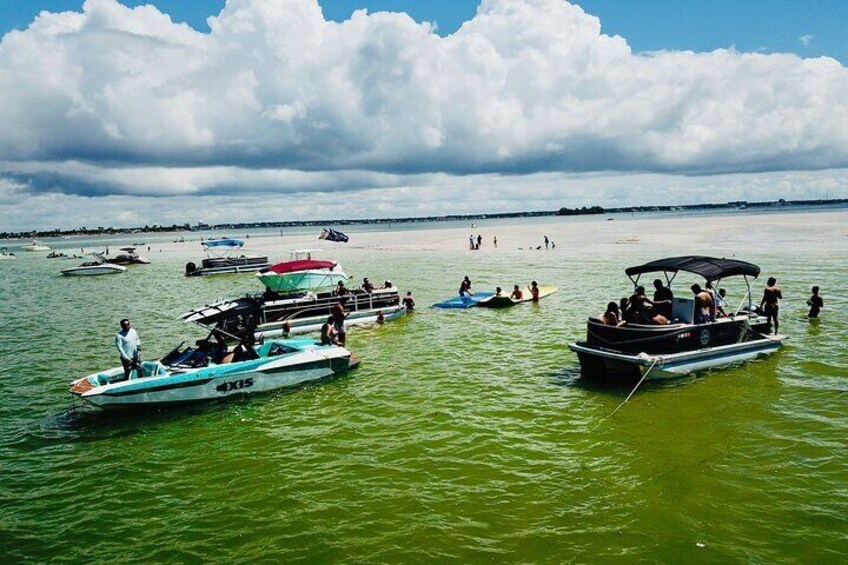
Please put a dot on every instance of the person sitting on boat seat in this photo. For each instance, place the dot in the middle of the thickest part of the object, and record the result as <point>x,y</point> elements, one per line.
<point>612,317</point>
<point>662,298</point>
<point>367,286</point>
<point>387,284</point>
<point>623,307</point>
<point>516,293</point>
<point>640,308</point>
<point>465,287</point>
<point>244,350</point>
<point>703,302</point>
<point>341,290</point>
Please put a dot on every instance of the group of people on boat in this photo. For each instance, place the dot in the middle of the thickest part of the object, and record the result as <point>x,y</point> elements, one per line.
<point>367,286</point>
<point>710,304</point>
<point>639,309</point>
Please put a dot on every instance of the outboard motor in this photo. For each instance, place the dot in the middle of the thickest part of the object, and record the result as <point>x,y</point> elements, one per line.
<point>190,268</point>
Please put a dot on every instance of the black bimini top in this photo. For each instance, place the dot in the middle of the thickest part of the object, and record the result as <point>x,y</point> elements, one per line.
<point>710,268</point>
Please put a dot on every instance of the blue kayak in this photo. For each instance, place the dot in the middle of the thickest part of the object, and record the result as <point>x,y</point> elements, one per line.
<point>463,301</point>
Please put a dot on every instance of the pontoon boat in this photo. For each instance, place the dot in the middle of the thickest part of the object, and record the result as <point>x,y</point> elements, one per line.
<point>222,258</point>
<point>682,346</point>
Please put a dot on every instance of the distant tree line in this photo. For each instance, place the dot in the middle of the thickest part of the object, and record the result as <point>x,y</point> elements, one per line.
<point>583,210</point>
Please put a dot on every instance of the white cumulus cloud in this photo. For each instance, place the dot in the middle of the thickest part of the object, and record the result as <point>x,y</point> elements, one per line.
<point>115,100</point>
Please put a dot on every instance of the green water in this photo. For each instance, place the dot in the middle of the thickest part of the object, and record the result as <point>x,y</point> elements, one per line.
<point>464,436</point>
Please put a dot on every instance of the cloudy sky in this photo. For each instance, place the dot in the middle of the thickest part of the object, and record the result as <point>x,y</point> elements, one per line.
<point>125,114</point>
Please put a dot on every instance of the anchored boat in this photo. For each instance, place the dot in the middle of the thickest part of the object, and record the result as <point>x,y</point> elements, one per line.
<point>211,371</point>
<point>35,246</point>
<point>302,275</point>
<point>92,268</point>
<point>682,346</point>
<point>298,299</point>
<point>129,256</point>
<point>223,256</point>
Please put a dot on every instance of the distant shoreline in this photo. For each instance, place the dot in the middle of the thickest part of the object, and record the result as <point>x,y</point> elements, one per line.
<point>593,210</point>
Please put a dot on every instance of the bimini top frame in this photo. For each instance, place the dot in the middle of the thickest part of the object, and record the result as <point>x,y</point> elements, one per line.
<point>711,268</point>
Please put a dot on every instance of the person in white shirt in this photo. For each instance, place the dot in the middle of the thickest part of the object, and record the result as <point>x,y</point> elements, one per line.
<point>129,346</point>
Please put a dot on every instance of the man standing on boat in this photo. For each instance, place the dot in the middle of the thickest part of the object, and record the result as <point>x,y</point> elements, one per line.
<point>129,346</point>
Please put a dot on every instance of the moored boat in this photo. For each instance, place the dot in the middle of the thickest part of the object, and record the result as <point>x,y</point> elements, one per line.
<point>302,275</point>
<point>223,257</point>
<point>129,256</point>
<point>684,345</point>
<point>92,268</point>
<point>35,246</point>
<point>282,315</point>
<point>212,371</point>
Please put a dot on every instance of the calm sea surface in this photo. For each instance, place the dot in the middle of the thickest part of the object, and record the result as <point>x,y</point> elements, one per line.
<point>464,436</point>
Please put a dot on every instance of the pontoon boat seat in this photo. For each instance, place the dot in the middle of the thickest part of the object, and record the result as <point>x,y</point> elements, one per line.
<point>682,310</point>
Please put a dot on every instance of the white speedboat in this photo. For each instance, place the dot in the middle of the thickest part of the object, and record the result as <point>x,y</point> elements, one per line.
<point>686,344</point>
<point>212,371</point>
<point>5,254</point>
<point>35,246</point>
<point>92,268</point>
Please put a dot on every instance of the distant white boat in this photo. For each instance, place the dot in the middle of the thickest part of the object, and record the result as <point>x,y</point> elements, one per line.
<point>4,254</point>
<point>35,246</point>
<point>94,268</point>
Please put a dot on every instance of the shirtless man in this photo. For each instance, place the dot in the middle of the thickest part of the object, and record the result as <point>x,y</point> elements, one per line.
<point>516,293</point>
<point>703,304</point>
<point>770,303</point>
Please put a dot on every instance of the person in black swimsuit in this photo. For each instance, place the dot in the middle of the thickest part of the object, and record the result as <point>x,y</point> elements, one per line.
<point>815,303</point>
<point>770,304</point>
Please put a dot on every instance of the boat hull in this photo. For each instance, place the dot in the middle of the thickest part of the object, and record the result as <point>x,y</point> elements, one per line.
<point>599,363</point>
<point>94,271</point>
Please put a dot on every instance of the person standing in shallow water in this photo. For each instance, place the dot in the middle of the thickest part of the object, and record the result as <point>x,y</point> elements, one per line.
<point>409,302</point>
<point>815,303</point>
<point>770,304</point>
